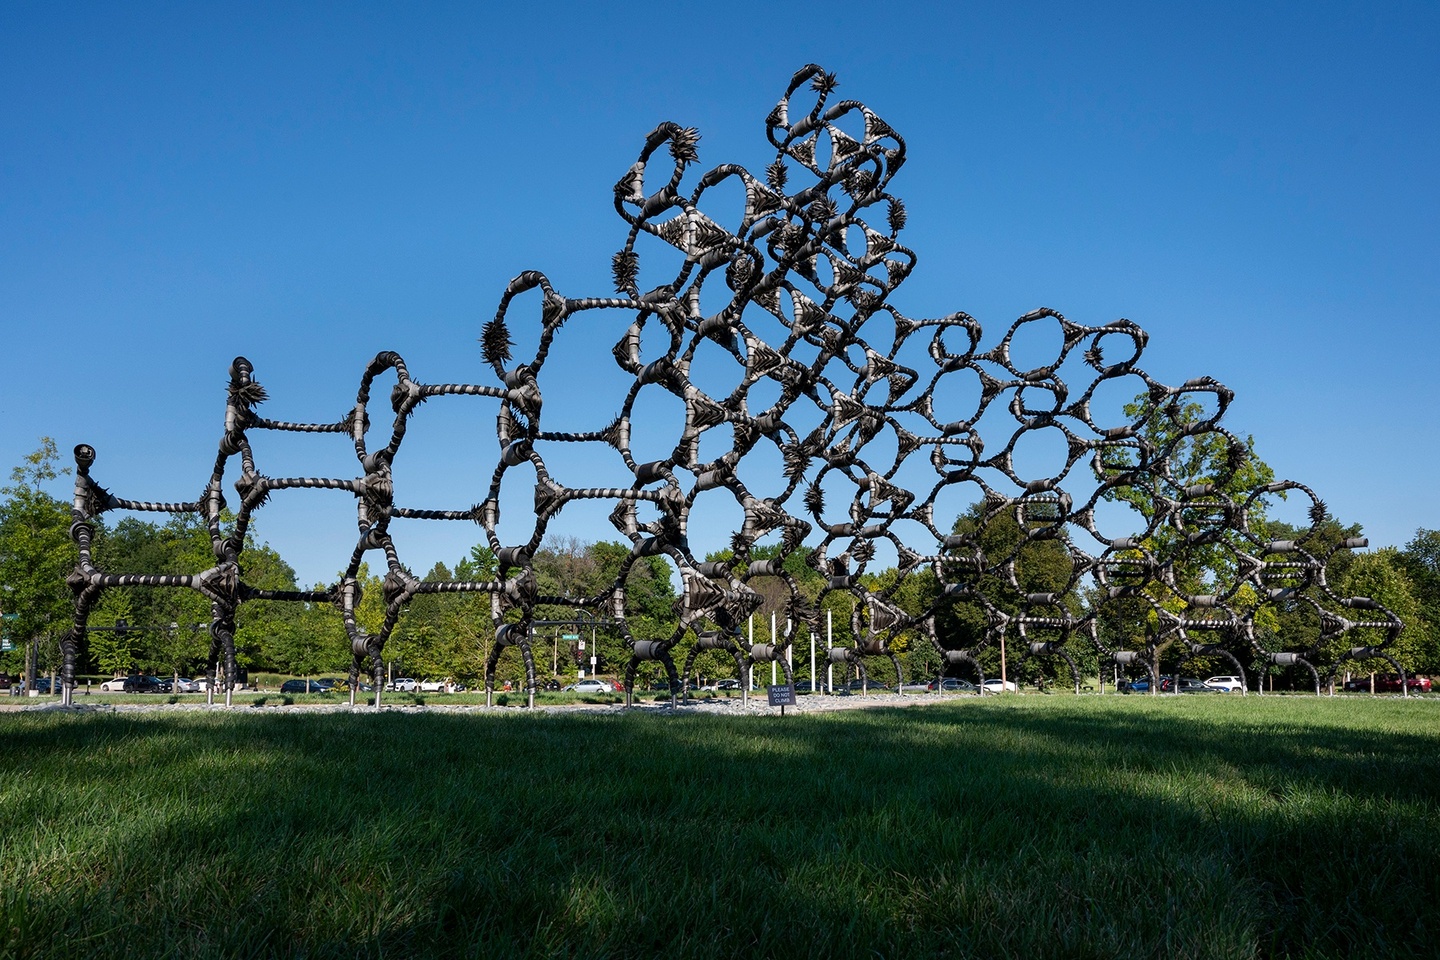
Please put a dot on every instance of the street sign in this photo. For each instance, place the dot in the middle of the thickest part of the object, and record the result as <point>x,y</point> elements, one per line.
<point>781,695</point>
<point>9,616</point>
<point>6,645</point>
<point>569,636</point>
<point>582,644</point>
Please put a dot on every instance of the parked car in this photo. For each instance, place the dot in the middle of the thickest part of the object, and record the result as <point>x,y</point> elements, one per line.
<point>186,685</point>
<point>5,681</point>
<point>1167,685</point>
<point>1359,685</point>
<point>140,683</point>
<point>1187,685</point>
<point>1390,683</point>
<point>870,686</point>
<point>433,686</point>
<point>914,686</point>
<point>803,685</point>
<point>590,685</point>
<point>302,686</point>
<point>404,685</point>
<point>952,685</point>
<point>114,685</point>
<point>994,685</point>
<point>1226,684</point>
<point>727,684</point>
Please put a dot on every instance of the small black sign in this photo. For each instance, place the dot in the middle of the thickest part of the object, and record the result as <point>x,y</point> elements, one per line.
<point>781,695</point>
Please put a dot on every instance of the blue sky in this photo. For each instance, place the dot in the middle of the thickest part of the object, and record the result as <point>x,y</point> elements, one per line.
<point>306,185</point>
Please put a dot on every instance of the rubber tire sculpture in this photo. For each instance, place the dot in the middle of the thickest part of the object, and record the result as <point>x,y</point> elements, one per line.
<point>803,265</point>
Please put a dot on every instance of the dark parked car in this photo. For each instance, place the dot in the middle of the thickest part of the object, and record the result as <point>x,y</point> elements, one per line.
<point>1187,685</point>
<point>303,686</point>
<point>140,683</point>
<point>858,686</point>
<point>952,685</point>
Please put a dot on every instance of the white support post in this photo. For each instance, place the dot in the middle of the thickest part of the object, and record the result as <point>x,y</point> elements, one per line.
<point>829,643</point>
<point>748,681</point>
<point>812,661</point>
<point>773,664</point>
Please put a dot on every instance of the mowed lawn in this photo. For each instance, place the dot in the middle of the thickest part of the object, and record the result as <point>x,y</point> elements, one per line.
<point>1020,826</point>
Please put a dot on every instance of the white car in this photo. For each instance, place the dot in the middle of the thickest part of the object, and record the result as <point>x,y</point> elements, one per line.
<point>993,685</point>
<point>434,686</point>
<point>1226,684</point>
<point>116,685</point>
<point>405,685</point>
<point>591,685</point>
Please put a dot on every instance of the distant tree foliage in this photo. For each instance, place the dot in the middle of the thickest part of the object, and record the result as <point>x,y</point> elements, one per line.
<point>35,556</point>
<point>451,635</point>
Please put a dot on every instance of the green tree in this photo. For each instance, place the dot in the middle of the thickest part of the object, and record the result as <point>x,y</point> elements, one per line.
<point>1421,560</point>
<point>36,553</point>
<point>1211,474</point>
<point>1197,458</point>
<point>1381,576</point>
<point>1296,623</point>
<point>112,650</point>
<point>1040,565</point>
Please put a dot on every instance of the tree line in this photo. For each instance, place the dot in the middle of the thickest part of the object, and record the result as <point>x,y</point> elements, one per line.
<point>167,630</point>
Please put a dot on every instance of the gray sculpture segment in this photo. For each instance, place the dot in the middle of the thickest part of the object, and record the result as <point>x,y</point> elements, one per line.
<point>846,394</point>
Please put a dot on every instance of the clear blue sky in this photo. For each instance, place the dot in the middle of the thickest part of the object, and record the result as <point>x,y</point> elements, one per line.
<point>306,185</point>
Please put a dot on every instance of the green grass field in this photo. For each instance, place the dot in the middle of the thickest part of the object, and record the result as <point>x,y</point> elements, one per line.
<point>1018,826</point>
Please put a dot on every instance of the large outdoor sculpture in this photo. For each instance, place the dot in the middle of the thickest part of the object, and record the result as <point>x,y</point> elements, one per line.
<point>874,418</point>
